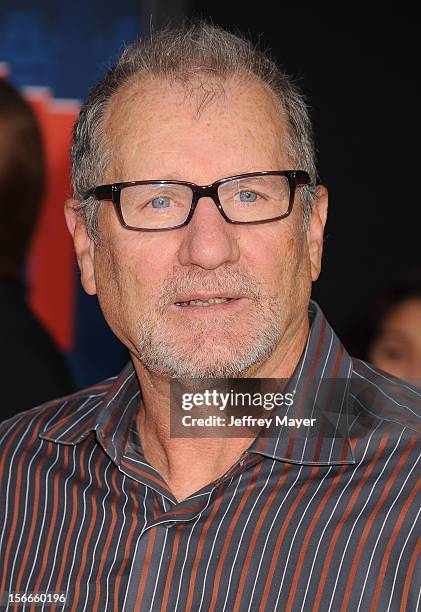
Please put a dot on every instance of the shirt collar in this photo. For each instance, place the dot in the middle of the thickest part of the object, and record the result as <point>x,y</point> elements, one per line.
<point>109,409</point>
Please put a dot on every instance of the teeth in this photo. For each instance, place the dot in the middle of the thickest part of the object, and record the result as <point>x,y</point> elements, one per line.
<point>208,302</point>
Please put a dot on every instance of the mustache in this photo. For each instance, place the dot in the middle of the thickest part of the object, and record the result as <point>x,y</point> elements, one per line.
<point>227,280</point>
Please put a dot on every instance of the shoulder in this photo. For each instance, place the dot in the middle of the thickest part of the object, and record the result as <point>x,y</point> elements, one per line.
<point>25,427</point>
<point>385,397</point>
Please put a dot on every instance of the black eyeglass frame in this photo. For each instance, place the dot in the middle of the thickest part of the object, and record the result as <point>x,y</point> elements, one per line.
<point>111,192</point>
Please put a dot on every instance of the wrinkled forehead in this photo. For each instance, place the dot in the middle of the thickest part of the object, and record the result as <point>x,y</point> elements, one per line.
<point>202,116</point>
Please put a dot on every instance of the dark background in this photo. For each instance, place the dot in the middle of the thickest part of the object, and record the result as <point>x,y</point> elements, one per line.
<point>360,73</point>
<point>359,69</point>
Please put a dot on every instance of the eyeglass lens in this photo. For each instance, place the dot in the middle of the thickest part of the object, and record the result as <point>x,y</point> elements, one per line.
<point>248,199</point>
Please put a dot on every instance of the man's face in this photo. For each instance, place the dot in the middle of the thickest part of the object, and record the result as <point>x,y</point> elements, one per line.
<point>154,131</point>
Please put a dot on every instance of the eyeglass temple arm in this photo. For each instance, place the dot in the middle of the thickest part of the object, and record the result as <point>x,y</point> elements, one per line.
<point>100,193</point>
<point>301,178</point>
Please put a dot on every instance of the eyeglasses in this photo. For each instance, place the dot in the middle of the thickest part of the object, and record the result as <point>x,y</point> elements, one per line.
<point>149,206</point>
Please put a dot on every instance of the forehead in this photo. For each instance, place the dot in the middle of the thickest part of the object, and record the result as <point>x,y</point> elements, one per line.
<point>155,126</point>
<point>406,314</point>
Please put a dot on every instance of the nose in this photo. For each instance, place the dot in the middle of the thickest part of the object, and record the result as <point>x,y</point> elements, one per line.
<point>208,241</point>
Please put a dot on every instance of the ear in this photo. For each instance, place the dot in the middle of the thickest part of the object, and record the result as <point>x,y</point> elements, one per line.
<point>316,229</point>
<point>84,246</point>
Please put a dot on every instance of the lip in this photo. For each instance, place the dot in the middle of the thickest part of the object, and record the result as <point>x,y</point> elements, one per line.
<point>206,296</point>
<point>233,305</point>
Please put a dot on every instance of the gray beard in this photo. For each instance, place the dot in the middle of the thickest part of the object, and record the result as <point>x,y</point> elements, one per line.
<point>211,348</point>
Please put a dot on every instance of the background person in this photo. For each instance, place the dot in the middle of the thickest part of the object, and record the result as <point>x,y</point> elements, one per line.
<point>30,362</point>
<point>388,332</point>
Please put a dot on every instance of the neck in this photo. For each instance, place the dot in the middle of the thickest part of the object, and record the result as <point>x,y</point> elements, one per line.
<point>180,460</point>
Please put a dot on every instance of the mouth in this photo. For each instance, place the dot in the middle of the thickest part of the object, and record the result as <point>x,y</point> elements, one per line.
<point>201,302</point>
<point>205,302</point>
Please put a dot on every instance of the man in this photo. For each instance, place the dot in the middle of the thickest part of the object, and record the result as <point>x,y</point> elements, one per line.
<point>202,275</point>
<point>23,339</point>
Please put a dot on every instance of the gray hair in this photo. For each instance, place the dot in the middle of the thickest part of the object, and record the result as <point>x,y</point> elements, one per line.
<point>183,53</point>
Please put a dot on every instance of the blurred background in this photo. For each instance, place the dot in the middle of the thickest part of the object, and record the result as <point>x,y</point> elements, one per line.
<point>360,74</point>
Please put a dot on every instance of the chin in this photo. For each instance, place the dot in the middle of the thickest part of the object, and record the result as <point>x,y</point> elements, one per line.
<point>210,355</point>
<point>212,347</point>
<point>204,368</point>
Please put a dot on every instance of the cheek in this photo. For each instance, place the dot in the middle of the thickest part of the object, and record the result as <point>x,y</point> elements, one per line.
<point>134,269</point>
<point>281,250</point>
<point>151,260</point>
<point>107,278</point>
<point>286,266</point>
<point>269,255</point>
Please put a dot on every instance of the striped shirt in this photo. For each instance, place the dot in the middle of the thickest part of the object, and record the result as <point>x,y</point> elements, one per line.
<point>317,523</point>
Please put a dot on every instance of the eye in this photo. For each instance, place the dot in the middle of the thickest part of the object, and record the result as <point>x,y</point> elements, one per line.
<point>160,202</point>
<point>247,196</point>
<point>393,354</point>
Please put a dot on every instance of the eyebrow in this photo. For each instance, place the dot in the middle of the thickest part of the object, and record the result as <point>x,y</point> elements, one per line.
<point>175,176</point>
<point>395,334</point>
